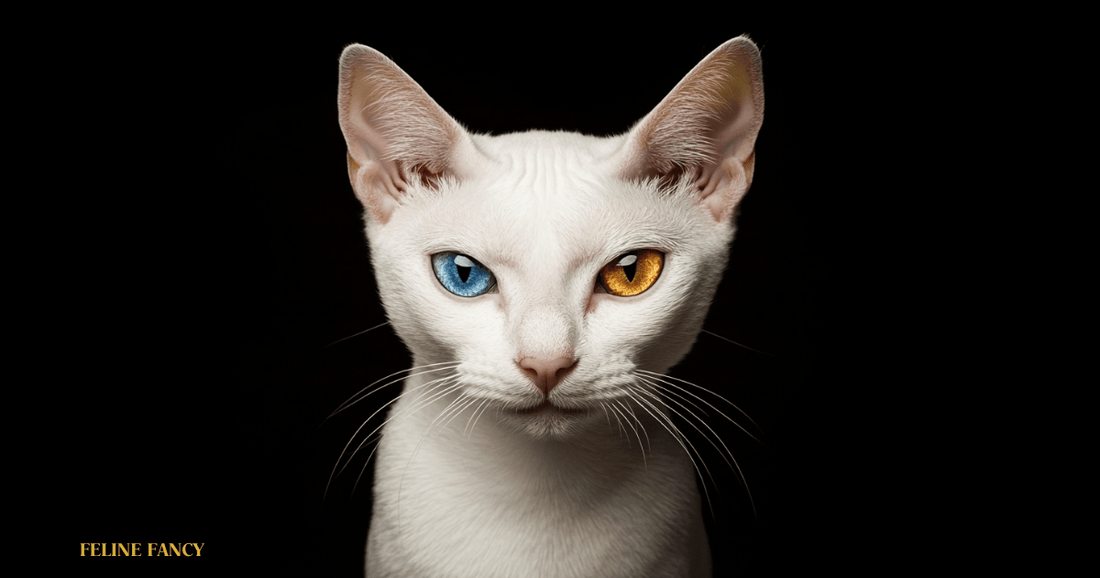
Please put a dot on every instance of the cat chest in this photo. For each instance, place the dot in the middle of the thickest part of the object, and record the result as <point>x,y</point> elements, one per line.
<point>449,508</point>
<point>526,538</point>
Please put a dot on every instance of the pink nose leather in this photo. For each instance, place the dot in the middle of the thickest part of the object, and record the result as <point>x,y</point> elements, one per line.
<point>546,373</point>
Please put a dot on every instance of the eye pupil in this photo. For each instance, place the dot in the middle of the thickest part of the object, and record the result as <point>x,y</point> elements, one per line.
<point>629,270</point>
<point>463,272</point>
<point>629,263</point>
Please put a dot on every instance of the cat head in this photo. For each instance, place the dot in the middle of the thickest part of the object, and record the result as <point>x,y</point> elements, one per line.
<point>550,268</point>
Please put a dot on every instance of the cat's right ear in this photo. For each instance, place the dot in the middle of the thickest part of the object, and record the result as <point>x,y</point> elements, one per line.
<point>396,134</point>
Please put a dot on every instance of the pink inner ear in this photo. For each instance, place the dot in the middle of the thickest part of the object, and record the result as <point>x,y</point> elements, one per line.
<point>705,128</point>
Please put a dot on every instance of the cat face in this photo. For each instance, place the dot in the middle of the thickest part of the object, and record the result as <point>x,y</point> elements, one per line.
<point>550,270</point>
<point>539,233</point>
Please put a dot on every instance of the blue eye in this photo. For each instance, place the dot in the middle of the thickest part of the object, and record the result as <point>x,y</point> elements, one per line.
<point>462,275</point>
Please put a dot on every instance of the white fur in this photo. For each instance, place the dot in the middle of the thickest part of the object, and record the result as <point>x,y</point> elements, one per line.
<point>465,485</point>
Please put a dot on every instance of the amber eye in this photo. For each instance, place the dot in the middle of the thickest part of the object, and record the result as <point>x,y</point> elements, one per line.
<point>632,273</point>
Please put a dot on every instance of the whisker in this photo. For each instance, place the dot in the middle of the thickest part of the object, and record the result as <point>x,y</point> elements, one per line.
<point>619,422</point>
<point>738,344</point>
<point>408,411</point>
<point>666,422</point>
<point>629,410</point>
<point>649,376</point>
<point>481,412</point>
<point>733,465</point>
<point>334,473</point>
<point>364,468</point>
<point>350,402</point>
<point>463,398</point>
<point>620,413</point>
<point>663,377</point>
<point>422,404</point>
<point>474,417</point>
<point>660,384</point>
<point>665,401</point>
<point>383,408</point>
<point>641,446</point>
<point>603,406</point>
<point>357,334</point>
<point>453,408</point>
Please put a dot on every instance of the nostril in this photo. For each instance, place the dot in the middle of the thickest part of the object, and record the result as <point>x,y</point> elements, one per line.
<point>546,373</point>
<point>562,372</point>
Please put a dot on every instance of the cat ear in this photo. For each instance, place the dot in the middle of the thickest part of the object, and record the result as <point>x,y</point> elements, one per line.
<point>705,128</point>
<point>396,134</point>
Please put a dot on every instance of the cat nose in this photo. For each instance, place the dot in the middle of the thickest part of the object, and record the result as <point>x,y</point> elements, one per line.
<point>546,373</point>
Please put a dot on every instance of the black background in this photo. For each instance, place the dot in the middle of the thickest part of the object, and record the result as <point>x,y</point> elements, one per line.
<point>214,249</point>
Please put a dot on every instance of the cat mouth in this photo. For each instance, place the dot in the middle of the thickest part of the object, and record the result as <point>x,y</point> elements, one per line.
<point>546,406</point>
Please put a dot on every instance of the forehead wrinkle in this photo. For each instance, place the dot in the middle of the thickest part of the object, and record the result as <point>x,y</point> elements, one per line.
<point>530,209</point>
<point>626,218</point>
<point>544,166</point>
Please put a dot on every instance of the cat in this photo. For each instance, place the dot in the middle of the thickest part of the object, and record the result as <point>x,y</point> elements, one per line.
<point>545,283</point>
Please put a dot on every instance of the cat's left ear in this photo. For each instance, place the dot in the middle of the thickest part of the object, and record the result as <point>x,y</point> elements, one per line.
<point>705,128</point>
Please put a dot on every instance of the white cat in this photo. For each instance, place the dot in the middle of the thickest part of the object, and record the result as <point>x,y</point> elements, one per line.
<point>544,282</point>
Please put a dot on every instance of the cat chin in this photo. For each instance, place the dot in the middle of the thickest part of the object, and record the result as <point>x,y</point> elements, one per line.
<point>547,421</point>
